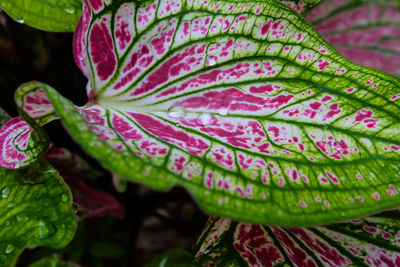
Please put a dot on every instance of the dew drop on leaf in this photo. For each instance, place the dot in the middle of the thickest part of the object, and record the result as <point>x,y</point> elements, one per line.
<point>45,229</point>
<point>64,198</point>
<point>204,119</point>
<point>7,222</point>
<point>5,192</point>
<point>176,112</point>
<point>338,146</point>
<point>9,249</point>
<point>69,8</point>
<point>223,111</point>
<point>211,61</point>
<point>20,20</point>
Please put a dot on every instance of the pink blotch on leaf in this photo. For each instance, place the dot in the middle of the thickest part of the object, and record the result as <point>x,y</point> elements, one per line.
<point>102,50</point>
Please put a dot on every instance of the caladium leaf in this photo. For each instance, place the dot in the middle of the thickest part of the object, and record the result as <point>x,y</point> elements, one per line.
<point>32,99</point>
<point>71,164</point>
<point>21,143</point>
<point>241,103</point>
<point>48,15</point>
<point>370,241</point>
<point>300,6</point>
<point>74,170</point>
<point>37,210</point>
<point>366,32</point>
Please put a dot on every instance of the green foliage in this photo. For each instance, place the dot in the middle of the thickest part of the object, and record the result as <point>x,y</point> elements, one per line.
<point>36,210</point>
<point>48,15</point>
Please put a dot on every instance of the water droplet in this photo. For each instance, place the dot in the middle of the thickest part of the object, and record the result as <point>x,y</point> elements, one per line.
<point>5,192</point>
<point>11,205</point>
<point>176,112</point>
<point>20,20</point>
<point>75,207</point>
<point>69,8</point>
<point>45,229</point>
<point>337,146</point>
<point>9,249</point>
<point>204,119</point>
<point>7,222</point>
<point>223,111</point>
<point>211,61</point>
<point>64,197</point>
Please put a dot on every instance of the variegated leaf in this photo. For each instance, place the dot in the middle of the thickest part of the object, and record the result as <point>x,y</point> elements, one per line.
<point>32,98</point>
<point>301,6</point>
<point>371,241</point>
<point>21,143</point>
<point>242,103</point>
<point>366,32</point>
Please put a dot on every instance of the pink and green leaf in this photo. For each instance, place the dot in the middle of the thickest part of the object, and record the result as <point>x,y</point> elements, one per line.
<point>21,142</point>
<point>242,103</point>
<point>370,241</point>
<point>366,32</point>
<point>32,99</point>
<point>300,6</point>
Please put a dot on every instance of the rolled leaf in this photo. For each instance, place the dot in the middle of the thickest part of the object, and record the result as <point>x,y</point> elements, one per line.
<point>32,99</point>
<point>366,32</point>
<point>242,103</point>
<point>48,15</point>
